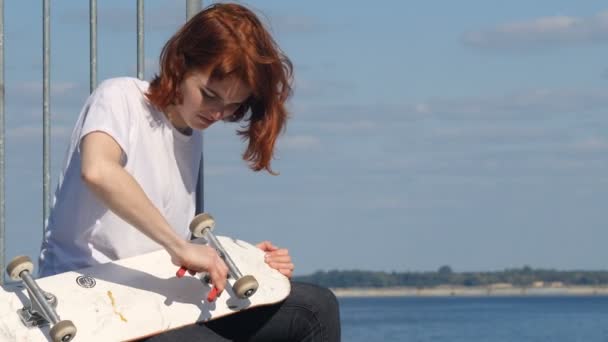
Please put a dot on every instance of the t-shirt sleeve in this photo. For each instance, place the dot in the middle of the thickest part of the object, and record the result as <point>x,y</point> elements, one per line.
<point>107,110</point>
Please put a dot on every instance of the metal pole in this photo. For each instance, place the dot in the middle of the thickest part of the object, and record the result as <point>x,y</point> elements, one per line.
<point>46,131</point>
<point>2,252</point>
<point>92,45</point>
<point>193,7</point>
<point>232,269</point>
<point>140,39</point>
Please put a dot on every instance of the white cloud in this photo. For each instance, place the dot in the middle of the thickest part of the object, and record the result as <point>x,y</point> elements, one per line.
<point>167,17</point>
<point>487,130</point>
<point>422,108</point>
<point>389,203</point>
<point>592,144</point>
<point>300,142</point>
<point>222,170</point>
<point>320,88</point>
<point>355,125</point>
<point>27,95</point>
<point>377,113</point>
<point>525,103</point>
<point>400,202</point>
<point>291,23</point>
<point>397,163</point>
<point>540,101</point>
<point>544,31</point>
<point>35,87</point>
<point>31,131</point>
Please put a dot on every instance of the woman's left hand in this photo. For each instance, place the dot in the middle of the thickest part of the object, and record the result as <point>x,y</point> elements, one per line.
<point>277,258</point>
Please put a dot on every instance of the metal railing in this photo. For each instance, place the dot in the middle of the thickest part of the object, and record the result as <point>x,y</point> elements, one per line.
<point>2,216</point>
<point>92,45</point>
<point>46,114</point>
<point>192,7</point>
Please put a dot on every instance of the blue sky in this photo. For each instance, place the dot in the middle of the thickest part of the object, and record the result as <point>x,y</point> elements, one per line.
<point>423,133</point>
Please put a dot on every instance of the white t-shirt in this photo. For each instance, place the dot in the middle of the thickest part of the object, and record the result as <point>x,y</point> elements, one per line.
<point>81,230</point>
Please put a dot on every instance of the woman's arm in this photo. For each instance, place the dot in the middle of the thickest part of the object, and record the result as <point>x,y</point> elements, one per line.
<point>103,174</point>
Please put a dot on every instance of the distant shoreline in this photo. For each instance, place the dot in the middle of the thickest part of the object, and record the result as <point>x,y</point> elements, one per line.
<point>472,291</point>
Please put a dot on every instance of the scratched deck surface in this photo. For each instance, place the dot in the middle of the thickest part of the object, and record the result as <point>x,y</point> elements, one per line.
<point>140,296</point>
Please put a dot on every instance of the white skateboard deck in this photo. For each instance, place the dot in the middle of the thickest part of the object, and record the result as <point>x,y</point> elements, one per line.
<point>140,296</point>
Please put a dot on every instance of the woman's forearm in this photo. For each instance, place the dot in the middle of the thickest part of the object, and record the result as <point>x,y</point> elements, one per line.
<point>119,191</point>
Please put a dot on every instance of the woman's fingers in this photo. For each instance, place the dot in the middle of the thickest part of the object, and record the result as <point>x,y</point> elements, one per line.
<point>204,258</point>
<point>286,272</point>
<point>280,252</point>
<point>278,258</point>
<point>281,265</point>
<point>266,246</point>
<point>218,281</point>
<point>218,274</point>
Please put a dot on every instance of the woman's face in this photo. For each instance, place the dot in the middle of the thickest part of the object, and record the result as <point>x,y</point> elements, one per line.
<point>206,101</point>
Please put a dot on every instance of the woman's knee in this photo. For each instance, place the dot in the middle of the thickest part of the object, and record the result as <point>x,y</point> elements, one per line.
<point>314,296</point>
<point>322,303</point>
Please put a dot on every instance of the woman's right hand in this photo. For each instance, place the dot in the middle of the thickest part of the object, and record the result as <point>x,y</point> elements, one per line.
<point>202,258</point>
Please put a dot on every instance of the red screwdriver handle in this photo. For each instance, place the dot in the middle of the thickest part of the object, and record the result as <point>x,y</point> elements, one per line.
<point>182,272</point>
<point>213,294</point>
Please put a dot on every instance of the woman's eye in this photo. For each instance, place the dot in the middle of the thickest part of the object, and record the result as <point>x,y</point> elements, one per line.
<point>207,94</point>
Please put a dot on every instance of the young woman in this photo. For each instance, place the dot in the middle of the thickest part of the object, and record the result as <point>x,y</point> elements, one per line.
<point>128,185</point>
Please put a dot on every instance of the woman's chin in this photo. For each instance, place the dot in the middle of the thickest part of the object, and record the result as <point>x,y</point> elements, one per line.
<point>201,123</point>
<point>200,126</point>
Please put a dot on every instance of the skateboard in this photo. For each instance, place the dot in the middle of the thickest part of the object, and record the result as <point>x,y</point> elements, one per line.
<point>136,297</point>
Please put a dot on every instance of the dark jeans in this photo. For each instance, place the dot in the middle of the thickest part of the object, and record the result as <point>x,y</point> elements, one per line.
<point>310,313</point>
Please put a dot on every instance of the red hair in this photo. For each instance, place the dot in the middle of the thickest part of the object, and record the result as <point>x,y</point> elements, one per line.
<point>229,40</point>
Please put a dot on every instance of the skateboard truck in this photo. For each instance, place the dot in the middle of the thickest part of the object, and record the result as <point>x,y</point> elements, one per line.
<point>41,309</point>
<point>202,226</point>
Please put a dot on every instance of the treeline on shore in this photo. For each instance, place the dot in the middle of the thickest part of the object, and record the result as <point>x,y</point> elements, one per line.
<point>524,277</point>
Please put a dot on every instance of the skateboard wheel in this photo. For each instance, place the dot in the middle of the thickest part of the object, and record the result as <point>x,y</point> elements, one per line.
<point>200,223</point>
<point>17,265</point>
<point>63,331</point>
<point>245,287</point>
